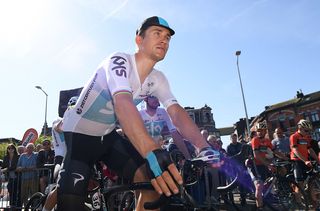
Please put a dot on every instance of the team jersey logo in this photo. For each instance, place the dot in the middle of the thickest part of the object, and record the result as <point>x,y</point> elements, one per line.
<point>302,142</point>
<point>77,179</point>
<point>119,69</point>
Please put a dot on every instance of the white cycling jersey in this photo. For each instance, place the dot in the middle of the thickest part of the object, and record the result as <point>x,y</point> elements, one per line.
<point>59,144</point>
<point>94,113</point>
<point>156,123</point>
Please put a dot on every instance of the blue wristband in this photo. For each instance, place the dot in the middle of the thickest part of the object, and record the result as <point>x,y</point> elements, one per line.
<point>153,164</point>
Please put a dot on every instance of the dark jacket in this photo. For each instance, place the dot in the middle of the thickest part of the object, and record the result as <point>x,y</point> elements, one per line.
<point>11,166</point>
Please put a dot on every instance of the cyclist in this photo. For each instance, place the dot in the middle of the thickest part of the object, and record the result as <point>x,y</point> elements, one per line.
<point>159,125</point>
<point>300,150</point>
<point>59,147</point>
<point>262,152</point>
<point>119,84</point>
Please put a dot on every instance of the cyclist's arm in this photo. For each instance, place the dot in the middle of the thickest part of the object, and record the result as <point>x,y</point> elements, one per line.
<point>132,125</point>
<point>58,126</point>
<point>186,126</point>
<point>298,154</point>
<point>313,154</point>
<point>178,140</point>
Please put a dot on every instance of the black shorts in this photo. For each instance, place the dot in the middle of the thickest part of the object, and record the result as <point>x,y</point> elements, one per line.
<point>83,151</point>
<point>300,170</point>
<point>261,173</point>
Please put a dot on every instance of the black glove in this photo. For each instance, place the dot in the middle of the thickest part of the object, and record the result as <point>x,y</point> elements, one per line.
<point>157,161</point>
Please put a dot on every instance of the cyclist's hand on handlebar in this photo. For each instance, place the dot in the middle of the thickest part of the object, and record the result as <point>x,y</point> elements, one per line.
<point>163,172</point>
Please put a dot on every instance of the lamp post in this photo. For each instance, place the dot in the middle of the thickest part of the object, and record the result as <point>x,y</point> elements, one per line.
<point>45,114</point>
<point>244,101</point>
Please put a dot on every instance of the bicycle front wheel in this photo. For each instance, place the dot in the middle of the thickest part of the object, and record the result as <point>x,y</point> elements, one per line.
<point>291,196</point>
<point>36,202</point>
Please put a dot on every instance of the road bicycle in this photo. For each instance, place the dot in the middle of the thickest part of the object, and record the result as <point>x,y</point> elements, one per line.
<point>121,197</point>
<point>311,186</point>
<point>279,190</point>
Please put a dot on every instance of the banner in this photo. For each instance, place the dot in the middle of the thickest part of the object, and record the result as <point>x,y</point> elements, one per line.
<point>30,136</point>
<point>64,98</point>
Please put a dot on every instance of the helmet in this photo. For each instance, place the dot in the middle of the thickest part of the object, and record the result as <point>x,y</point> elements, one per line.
<point>305,124</point>
<point>73,100</point>
<point>261,125</point>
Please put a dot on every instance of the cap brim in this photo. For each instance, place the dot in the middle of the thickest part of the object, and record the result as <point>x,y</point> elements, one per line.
<point>172,32</point>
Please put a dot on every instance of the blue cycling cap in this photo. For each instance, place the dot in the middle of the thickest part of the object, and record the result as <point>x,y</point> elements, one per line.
<point>154,21</point>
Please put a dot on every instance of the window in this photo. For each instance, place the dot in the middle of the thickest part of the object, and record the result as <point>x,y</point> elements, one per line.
<point>314,116</point>
<point>292,122</point>
<point>282,126</point>
<point>274,125</point>
<point>192,116</point>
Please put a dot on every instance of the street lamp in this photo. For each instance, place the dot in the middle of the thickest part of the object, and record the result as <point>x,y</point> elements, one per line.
<point>244,101</point>
<point>45,114</point>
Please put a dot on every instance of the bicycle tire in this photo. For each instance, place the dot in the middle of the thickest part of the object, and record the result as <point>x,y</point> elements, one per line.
<point>286,199</point>
<point>36,202</point>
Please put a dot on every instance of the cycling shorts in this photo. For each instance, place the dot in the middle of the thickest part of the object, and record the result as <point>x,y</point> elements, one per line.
<point>83,151</point>
<point>299,170</point>
<point>261,173</point>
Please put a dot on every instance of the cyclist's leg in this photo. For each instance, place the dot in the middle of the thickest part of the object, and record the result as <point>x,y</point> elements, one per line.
<point>125,160</point>
<point>82,152</point>
<point>51,200</point>
<point>259,176</point>
<point>299,176</point>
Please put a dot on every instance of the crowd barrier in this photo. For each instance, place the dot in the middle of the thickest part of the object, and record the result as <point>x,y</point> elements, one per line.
<point>17,188</point>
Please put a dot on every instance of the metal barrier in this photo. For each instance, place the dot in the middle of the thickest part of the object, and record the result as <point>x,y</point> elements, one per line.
<point>17,189</point>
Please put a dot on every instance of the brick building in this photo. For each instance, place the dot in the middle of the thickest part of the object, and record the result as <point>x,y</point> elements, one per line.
<point>286,114</point>
<point>203,118</point>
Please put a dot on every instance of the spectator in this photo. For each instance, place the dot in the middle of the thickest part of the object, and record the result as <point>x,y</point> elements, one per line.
<point>234,147</point>
<point>9,166</point>
<point>21,149</point>
<point>45,156</point>
<point>39,147</point>
<point>281,143</point>
<point>217,173</point>
<point>29,177</point>
<point>237,165</point>
<point>204,134</point>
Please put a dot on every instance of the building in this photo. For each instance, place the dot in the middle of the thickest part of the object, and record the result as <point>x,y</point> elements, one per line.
<point>203,118</point>
<point>240,128</point>
<point>10,140</point>
<point>286,114</point>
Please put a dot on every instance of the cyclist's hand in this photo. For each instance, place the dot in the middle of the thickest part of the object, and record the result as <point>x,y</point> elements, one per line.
<point>163,172</point>
<point>308,163</point>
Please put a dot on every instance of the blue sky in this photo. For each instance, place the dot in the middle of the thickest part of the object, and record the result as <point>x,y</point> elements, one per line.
<point>58,44</point>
